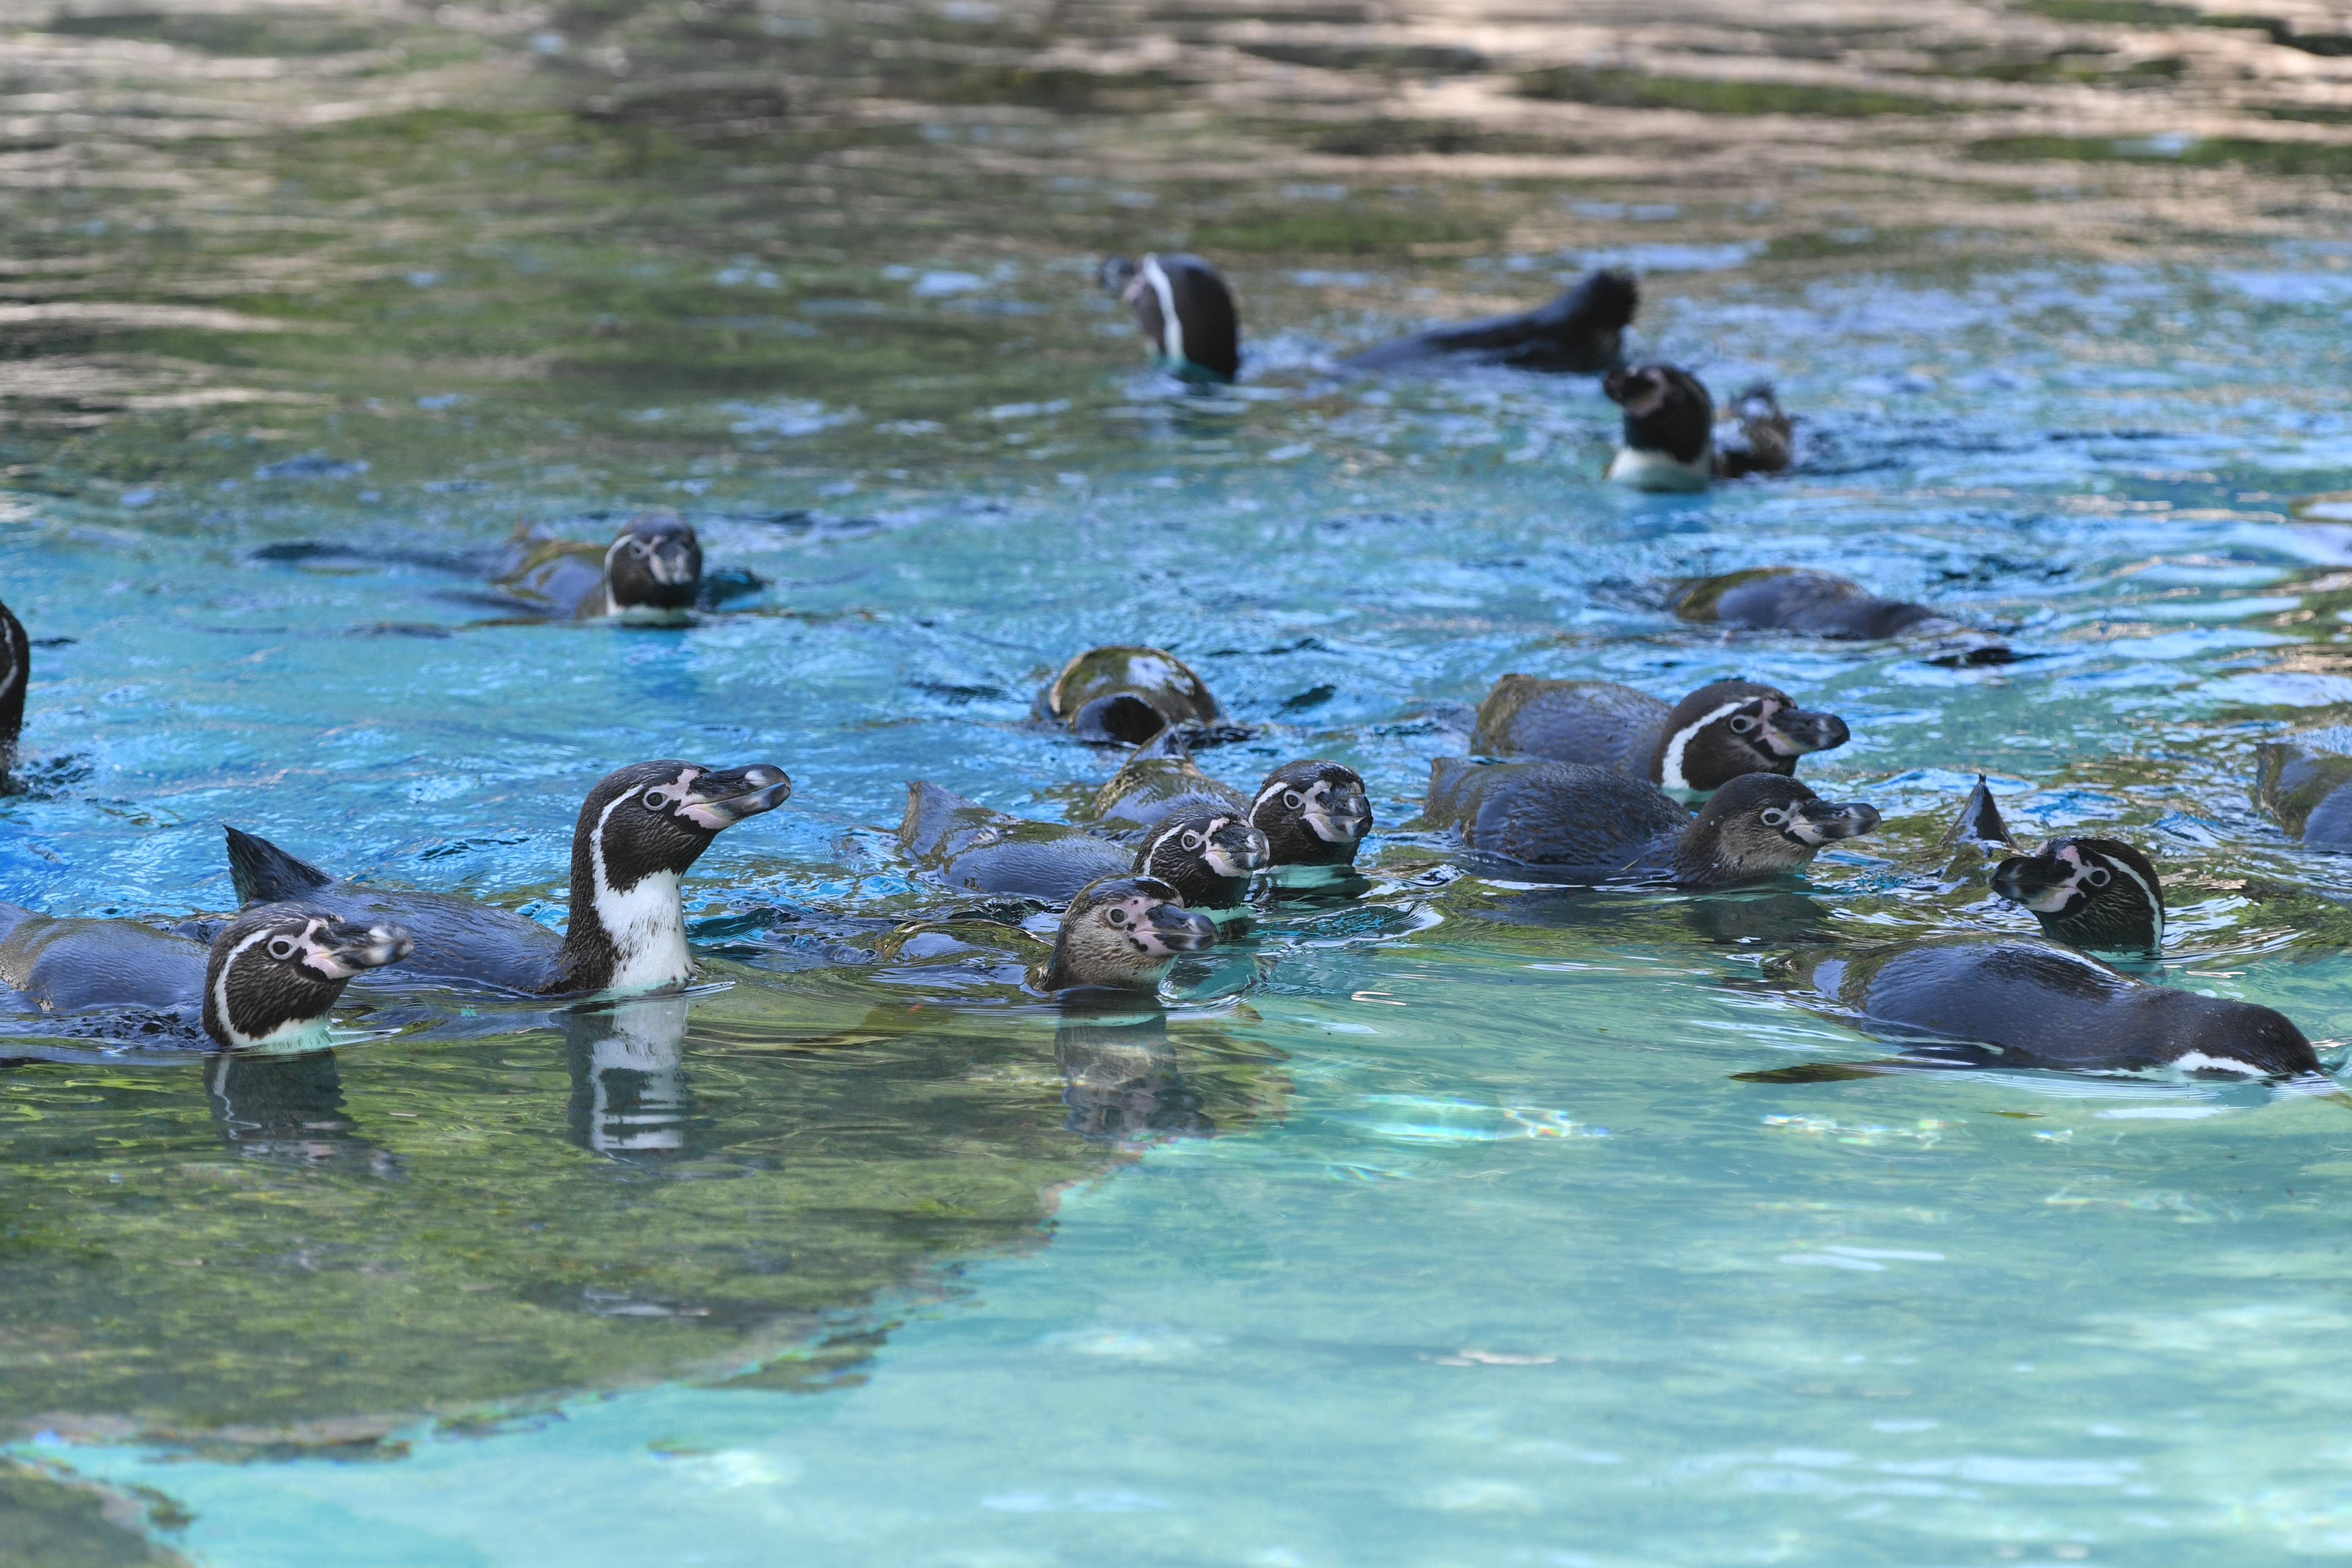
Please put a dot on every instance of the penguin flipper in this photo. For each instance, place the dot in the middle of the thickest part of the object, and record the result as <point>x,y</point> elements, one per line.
<point>264,874</point>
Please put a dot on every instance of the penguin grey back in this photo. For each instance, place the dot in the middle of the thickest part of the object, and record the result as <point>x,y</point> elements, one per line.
<point>1581,331</point>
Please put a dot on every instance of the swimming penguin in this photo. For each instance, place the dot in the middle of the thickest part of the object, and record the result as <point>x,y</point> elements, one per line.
<point>641,828</point>
<point>1582,331</point>
<point>1186,311</point>
<point>651,571</point>
<point>1723,729</point>
<point>1670,440</point>
<point>1206,856</point>
<point>1594,824</point>
<point>15,672</point>
<point>1312,813</point>
<point>1125,695</point>
<point>2100,894</point>
<point>965,844</point>
<point>1124,933</point>
<point>1824,605</point>
<point>268,981</point>
<point>2301,779</point>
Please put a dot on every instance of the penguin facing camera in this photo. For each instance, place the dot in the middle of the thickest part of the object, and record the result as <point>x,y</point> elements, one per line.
<point>1579,823</point>
<point>1312,813</point>
<point>1186,312</point>
<point>1824,605</point>
<point>1671,439</point>
<point>641,828</point>
<point>1124,933</point>
<point>268,981</point>
<point>1581,332</point>
<point>1125,695</point>
<point>1717,732</point>
<point>652,571</point>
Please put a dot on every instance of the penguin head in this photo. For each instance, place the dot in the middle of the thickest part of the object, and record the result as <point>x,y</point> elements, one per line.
<point>1735,727</point>
<point>1762,825</point>
<point>1667,409</point>
<point>1185,310</point>
<point>1125,931</point>
<point>2096,893</point>
<point>655,818</point>
<point>1206,856</point>
<point>275,972</point>
<point>655,563</point>
<point>1312,814</point>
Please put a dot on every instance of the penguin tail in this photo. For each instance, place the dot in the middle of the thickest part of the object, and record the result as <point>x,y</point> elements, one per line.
<point>264,874</point>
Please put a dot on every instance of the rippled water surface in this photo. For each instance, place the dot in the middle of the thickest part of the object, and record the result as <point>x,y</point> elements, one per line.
<point>1430,1224</point>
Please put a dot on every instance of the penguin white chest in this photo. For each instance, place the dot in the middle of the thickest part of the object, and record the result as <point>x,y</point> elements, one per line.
<point>1645,470</point>
<point>647,928</point>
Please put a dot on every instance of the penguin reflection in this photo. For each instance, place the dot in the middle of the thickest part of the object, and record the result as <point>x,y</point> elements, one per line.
<point>1120,1078</point>
<point>629,1094</point>
<point>288,1110</point>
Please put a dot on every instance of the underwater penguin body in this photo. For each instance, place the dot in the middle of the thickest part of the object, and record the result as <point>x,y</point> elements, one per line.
<point>966,844</point>
<point>1582,332</point>
<point>269,981</point>
<point>1126,694</point>
<point>1186,312</point>
<point>2305,782</point>
<point>1824,605</point>
<point>1583,823</point>
<point>1712,736</point>
<point>641,828</point>
<point>651,569</point>
<point>1671,439</point>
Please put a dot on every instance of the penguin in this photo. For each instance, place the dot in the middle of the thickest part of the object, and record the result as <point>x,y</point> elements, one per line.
<point>15,672</point>
<point>2098,894</point>
<point>269,982</point>
<point>1581,332</point>
<point>1125,696</point>
<point>1312,813</point>
<point>1722,730</point>
<point>1186,312</point>
<point>651,571</point>
<point>1206,856</point>
<point>966,844</point>
<point>1824,605</point>
<point>1586,823</point>
<point>1123,934</point>
<point>1670,440</point>
<point>641,828</point>
<point>2300,780</point>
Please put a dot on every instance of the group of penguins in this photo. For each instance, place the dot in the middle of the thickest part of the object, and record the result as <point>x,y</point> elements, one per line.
<point>1568,782</point>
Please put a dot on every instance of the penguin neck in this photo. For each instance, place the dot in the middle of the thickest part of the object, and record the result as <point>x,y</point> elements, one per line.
<point>629,938</point>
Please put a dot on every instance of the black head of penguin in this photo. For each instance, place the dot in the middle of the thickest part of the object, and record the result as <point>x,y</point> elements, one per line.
<point>1125,931</point>
<point>1584,328</point>
<point>2101,894</point>
<point>641,828</point>
<point>1186,312</point>
<point>1761,825</point>
<point>1667,410</point>
<point>1206,856</point>
<point>1734,727</point>
<point>655,563</point>
<point>1312,814</point>
<point>275,972</point>
<point>16,669</point>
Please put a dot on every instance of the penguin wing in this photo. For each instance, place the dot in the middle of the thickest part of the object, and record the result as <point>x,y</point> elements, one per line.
<point>264,874</point>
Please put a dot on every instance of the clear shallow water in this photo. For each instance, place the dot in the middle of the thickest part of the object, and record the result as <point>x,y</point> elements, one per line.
<point>1431,1227</point>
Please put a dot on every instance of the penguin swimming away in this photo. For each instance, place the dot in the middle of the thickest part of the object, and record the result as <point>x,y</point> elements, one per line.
<point>2098,894</point>
<point>641,828</point>
<point>651,571</point>
<point>1582,332</point>
<point>1824,605</point>
<point>2301,779</point>
<point>1123,932</point>
<point>1670,440</point>
<point>1186,312</point>
<point>1580,823</point>
<point>1312,813</point>
<point>1722,730</point>
<point>1125,696</point>
<point>266,983</point>
<point>16,673</point>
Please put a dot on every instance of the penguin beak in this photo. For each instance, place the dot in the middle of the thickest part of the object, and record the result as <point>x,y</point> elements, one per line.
<point>343,949</point>
<point>1118,273</point>
<point>2042,883</point>
<point>1175,928</point>
<point>672,563</point>
<point>1343,816</point>
<point>1639,392</point>
<point>1818,822</point>
<point>1237,849</point>
<point>1794,731</point>
<point>718,801</point>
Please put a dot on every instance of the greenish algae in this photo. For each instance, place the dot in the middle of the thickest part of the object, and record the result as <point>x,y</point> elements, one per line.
<point>2210,153</point>
<point>45,1522</point>
<point>1716,95</point>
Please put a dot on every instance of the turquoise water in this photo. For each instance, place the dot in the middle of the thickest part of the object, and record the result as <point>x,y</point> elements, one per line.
<point>1430,1224</point>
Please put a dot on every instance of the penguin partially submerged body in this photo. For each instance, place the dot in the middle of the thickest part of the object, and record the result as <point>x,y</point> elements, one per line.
<point>641,828</point>
<point>2098,894</point>
<point>1672,440</point>
<point>1719,732</point>
<point>1580,823</point>
<point>1312,813</point>
<point>1186,312</point>
<point>1125,695</point>
<point>16,674</point>
<point>269,982</point>
<point>651,571</point>
<point>964,844</point>
<point>2302,779</point>
<point>1824,605</point>
<point>1582,332</point>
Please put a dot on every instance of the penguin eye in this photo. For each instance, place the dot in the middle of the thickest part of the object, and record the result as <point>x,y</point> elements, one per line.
<point>1191,841</point>
<point>1116,915</point>
<point>2098,875</point>
<point>1775,817</point>
<point>657,799</point>
<point>282,947</point>
<point>1293,799</point>
<point>1743,723</point>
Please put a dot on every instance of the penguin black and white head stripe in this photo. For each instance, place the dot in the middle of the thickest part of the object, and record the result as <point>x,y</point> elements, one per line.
<point>1206,856</point>
<point>641,828</point>
<point>15,671</point>
<point>1125,931</point>
<point>1312,814</point>
<point>654,564</point>
<point>1186,312</point>
<point>2101,894</point>
<point>1761,825</point>
<point>1668,442</point>
<point>273,975</point>
<point>1734,727</point>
